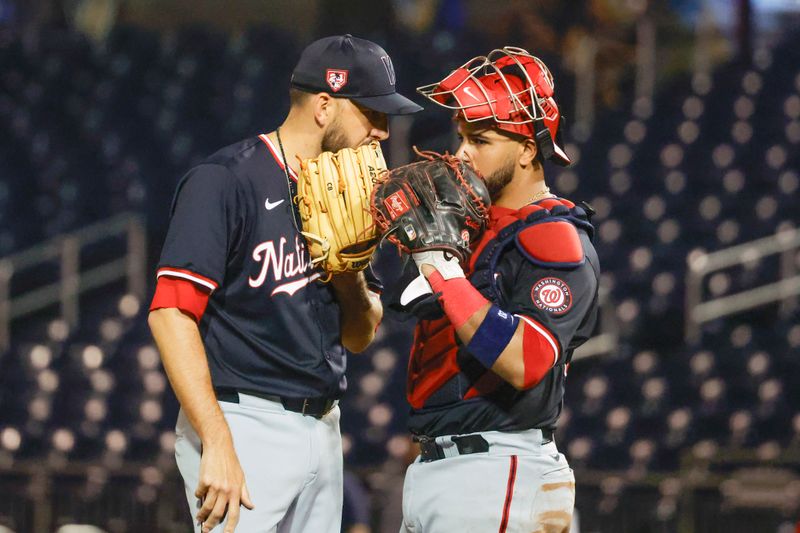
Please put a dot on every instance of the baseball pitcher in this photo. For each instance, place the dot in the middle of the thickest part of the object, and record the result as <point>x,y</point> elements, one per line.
<point>263,284</point>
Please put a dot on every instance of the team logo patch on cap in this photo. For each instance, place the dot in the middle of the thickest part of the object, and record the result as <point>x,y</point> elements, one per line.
<point>387,64</point>
<point>336,79</point>
<point>397,204</point>
<point>552,295</point>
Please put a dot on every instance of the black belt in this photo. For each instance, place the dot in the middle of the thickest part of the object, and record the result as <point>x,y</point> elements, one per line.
<point>430,450</point>
<point>316,407</point>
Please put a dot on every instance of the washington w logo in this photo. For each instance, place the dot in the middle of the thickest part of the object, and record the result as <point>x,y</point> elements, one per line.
<point>387,64</point>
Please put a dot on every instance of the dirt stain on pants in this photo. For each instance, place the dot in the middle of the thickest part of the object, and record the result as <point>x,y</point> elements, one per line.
<point>553,508</point>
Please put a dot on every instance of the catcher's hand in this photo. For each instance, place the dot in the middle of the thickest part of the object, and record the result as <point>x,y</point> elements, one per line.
<point>334,191</point>
<point>437,205</point>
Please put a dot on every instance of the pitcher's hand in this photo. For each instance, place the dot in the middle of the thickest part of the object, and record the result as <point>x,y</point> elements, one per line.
<point>222,486</point>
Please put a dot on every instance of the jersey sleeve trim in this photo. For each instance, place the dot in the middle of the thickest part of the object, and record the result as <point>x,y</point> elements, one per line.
<point>187,274</point>
<point>549,337</point>
<point>276,154</point>
<point>181,294</point>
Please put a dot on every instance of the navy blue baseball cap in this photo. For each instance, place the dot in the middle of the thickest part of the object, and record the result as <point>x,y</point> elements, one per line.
<point>348,67</point>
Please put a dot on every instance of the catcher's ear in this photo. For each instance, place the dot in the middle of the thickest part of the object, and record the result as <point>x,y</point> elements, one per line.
<point>528,153</point>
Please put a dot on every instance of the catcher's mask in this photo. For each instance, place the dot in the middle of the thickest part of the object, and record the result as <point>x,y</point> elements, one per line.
<point>511,87</point>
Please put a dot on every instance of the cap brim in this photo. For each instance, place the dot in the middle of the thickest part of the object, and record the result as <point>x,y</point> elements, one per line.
<point>391,104</point>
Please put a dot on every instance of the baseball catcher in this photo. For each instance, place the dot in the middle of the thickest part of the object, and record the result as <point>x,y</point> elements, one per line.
<point>333,196</point>
<point>486,374</point>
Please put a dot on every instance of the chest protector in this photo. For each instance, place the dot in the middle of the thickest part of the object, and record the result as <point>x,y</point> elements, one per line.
<point>546,235</point>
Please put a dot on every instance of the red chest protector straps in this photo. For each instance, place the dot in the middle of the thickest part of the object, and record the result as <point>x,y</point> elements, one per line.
<point>433,359</point>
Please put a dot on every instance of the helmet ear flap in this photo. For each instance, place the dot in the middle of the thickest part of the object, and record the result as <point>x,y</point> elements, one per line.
<point>547,145</point>
<point>544,141</point>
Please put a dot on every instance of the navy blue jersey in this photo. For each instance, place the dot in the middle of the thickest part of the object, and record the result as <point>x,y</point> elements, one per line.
<point>269,326</point>
<point>449,390</point>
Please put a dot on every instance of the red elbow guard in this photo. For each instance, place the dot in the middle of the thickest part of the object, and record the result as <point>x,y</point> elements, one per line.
<point>539,351</point>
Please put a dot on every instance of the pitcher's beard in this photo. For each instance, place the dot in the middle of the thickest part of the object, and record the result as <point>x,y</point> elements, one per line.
<point>334,138</point>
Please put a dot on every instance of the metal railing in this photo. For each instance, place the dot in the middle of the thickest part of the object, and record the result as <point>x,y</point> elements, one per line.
<point>607,340</point>
<point>65,250</point>
<point>734,491</point>
<point>784,290</point>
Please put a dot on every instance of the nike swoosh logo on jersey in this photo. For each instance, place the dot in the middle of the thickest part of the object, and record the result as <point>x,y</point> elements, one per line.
<point>294,286</point>
<point>272,205</point>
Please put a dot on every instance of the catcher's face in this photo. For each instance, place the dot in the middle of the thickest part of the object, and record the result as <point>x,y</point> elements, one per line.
<point>354,125</point>
<point>493,155</point>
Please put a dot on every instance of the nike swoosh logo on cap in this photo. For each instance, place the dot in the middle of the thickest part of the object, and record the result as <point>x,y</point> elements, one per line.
<point>272,205</point>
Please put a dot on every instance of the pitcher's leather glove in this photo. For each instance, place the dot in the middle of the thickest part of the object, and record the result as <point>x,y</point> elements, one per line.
<point>334,191</point>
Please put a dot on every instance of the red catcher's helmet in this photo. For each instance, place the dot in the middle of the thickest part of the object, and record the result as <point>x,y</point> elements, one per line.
<point>511,87</point>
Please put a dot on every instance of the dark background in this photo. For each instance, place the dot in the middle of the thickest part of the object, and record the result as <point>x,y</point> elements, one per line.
<point>682,117</point>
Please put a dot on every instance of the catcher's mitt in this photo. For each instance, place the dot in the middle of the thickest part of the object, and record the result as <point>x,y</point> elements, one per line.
<point>440,203</point>
<point>333,195</point>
